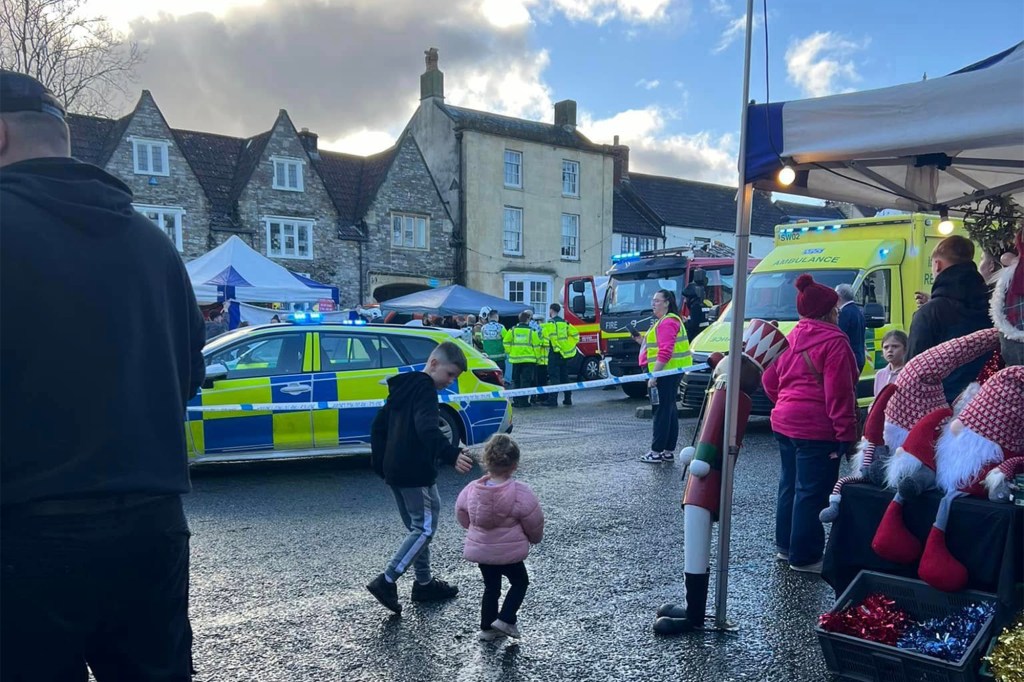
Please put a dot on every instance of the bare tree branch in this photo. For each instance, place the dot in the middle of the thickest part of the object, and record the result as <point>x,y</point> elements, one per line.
<point>81,58</point>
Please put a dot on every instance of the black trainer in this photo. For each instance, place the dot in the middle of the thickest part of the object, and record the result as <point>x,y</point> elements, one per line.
<point>386,593</point>
<point>435,590</point>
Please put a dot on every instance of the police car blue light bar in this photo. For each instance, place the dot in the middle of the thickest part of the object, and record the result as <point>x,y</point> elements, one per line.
<point>302,317</point>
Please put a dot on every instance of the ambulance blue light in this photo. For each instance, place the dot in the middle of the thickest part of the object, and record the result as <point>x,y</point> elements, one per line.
<point>805,229</point>
<point>883,253</point>
<point>836,228</point>
<point>821,228</point>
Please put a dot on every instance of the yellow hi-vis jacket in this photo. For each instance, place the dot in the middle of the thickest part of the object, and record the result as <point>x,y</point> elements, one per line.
<point>561,337</point>
<point>521,344</point>
<point>680,351</point>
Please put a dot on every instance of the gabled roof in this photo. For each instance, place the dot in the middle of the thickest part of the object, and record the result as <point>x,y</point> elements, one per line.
<point>795,210</point>
<point>214,159</point>
<point>352,183</point>
<point>94,139</point>
<point>630,217</point>
<point>518,128</point>
<point>701,205</point>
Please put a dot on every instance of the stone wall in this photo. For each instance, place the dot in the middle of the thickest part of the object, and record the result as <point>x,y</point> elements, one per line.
<point>179,189</point>
<point>334,260</point>
<point>408,188</point>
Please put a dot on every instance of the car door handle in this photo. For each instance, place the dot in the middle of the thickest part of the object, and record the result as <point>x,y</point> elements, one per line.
<point>296,389</point>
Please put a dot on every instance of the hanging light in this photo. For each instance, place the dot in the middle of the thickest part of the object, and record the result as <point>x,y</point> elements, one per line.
<point>786,176</point>
<point>945,224</point>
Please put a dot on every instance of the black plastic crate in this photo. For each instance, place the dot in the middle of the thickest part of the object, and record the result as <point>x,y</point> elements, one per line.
<point>859,659</point>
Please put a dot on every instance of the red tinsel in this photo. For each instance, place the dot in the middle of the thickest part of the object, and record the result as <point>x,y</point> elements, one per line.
<point>876,618</point>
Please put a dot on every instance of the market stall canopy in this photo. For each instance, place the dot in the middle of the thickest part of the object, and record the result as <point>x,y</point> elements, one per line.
<point>451,300</point>
<point>944,142</point>
<point>234,270</point>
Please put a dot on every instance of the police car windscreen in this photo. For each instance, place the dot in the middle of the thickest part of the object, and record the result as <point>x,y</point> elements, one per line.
<point>634,294</point>
<point>772,295</point>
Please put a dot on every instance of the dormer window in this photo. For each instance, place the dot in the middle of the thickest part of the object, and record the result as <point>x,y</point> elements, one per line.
<point>287,173</point>
<point>150,156</point>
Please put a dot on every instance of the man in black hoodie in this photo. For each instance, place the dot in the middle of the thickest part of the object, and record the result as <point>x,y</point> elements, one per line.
<point>406,443</point>
<point>958,306</point>
<point>94,542</point>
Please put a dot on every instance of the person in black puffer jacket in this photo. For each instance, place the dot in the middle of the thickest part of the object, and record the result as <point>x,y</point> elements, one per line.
<point>958,306</point>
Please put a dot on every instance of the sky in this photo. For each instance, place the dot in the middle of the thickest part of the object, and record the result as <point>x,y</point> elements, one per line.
<point>663,75</point>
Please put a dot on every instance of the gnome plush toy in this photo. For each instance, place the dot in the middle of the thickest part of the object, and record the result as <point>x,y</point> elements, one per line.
<point>893,541</point>
<point>974,455</point>
<point>1007,304</point>
<point>918,393</point>
<point>873,442</point>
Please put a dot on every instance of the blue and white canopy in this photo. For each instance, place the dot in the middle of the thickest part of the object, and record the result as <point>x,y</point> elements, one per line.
<point>936,143</point>
<point>234,270</point>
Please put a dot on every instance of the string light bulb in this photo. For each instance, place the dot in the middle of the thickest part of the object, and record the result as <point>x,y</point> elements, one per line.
<point>786,176</point>
<point>945,224</point>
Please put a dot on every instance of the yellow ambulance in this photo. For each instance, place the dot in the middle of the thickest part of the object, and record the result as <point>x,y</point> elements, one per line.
<point>886,259</point>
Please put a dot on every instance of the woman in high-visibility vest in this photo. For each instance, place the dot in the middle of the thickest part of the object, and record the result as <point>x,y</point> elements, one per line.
<point>666,347</point>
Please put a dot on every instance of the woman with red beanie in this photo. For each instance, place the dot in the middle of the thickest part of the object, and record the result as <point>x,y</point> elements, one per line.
<point>813,387</point>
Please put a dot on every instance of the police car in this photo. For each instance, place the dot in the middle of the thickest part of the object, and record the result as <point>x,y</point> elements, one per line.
<point>308,361</point>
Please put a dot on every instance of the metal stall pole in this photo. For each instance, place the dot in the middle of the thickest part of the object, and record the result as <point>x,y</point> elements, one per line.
<point>744,200</point>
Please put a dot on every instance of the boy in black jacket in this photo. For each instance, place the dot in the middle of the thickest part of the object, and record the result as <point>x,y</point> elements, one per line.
<point>407,442</point>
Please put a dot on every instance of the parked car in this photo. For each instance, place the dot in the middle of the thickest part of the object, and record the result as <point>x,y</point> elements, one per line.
<point>306,361</point>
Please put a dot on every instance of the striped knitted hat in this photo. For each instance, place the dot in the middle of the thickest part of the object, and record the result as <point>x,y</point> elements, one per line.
<point>919,384</point>
<point>997,412</point>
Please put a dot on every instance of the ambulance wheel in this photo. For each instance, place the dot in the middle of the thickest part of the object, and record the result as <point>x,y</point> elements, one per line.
<point>450,426</point>
<point>590,369</point>
<point>635,389</point>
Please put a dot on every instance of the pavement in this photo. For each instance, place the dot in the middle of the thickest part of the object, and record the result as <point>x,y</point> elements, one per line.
<point>281,552</point>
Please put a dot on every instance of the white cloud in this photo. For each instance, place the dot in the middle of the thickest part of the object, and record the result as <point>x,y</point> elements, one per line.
<point>502,13</point>
<point>516,89</point>
<point>362,142</point>
<point>700,156</point>
<point>734,31</point>
<point>506,13</point>
<point>720,7</point>
<point>646,84</point>
<point>820,64</point>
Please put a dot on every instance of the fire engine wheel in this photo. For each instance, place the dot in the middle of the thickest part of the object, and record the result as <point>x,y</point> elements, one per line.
<point>635,389</point>
<point>590,369</point>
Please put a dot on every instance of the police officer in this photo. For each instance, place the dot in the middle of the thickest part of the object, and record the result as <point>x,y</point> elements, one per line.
<point>94,542</point>
<point>561,339</point>
<point>541,372</point>
<point>521,342</point>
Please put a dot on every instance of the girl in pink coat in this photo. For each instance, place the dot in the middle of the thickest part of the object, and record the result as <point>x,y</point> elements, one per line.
<point>504,518</point>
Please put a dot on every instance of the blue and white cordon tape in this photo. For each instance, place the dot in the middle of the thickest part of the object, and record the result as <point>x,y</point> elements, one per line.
<point>447,397</point>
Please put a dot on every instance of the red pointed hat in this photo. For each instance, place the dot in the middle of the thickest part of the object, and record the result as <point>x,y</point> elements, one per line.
<point>997,412</point>
<point>874,425</point>
<point>921,441</point>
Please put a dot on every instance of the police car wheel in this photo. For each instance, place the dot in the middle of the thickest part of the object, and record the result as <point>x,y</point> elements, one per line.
<point>590,370</point>
<point>450,427</point>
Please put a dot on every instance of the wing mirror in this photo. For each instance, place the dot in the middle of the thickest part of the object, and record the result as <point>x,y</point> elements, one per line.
<point>874,315</point>
<point>214,372</point>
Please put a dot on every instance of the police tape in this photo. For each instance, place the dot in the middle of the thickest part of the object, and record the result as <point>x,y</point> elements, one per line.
<point>450,398</point>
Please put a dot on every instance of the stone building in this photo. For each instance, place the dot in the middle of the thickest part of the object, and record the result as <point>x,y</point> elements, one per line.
<point>329,216</point>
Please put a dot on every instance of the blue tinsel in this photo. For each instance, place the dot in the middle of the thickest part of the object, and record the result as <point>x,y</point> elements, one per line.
<point>947,638</point>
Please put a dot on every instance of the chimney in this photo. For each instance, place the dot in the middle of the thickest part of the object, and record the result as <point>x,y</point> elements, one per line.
<point>620,154</point>
<point>309,141</point>
<point>565,114</point>
<point>432,80</point>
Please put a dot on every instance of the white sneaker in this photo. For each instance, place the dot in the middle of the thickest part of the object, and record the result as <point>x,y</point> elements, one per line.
<point>809,568</point>
<point>652,457</point>
<point>489,635</point>
<point>507,628</point>
<point>668,456</point>
<point>782,556</point>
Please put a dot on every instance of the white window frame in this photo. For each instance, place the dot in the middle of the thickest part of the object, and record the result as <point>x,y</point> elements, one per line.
<point>175,213</point>
<point>526,279</point>
<point>398,240</point>
<point>288,162</point>
<point>512,160</point>
<point>295,223</point>
<point>142,148</point>
<point>572,222</point>
<point>570,173</point>
<point>628,243</point>
<point>505,213</point>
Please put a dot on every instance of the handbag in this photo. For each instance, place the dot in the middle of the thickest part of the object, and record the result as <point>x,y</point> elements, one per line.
<point>861,415</point>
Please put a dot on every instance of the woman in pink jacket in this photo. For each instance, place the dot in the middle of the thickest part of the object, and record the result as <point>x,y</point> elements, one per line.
<point>504,518</point>
<point>813,387</point>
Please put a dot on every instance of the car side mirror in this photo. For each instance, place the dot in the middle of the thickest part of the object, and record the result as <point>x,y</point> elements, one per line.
<point>579,306</point>
<point>214,372</point>
<point>874,315</point>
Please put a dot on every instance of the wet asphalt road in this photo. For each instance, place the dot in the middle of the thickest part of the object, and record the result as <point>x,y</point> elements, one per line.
<point>281,552</point>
